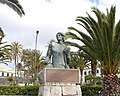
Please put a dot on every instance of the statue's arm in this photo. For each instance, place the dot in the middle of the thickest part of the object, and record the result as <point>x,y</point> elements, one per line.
<point>49,53</point>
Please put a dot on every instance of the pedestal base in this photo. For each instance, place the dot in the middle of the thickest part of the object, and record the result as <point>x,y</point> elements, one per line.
<point>60,89</point>
<point>59,82</point>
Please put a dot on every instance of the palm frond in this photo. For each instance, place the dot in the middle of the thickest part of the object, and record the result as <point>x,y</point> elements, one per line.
<point>15,5</point>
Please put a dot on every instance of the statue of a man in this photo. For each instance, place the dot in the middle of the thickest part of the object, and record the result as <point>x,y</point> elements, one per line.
<point>58,53</point>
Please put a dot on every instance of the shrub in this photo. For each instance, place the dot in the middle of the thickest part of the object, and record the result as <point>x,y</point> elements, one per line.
<point>89,90</point>
<point>19,90</point>
<point>89,79</point>
<point>10,78</point>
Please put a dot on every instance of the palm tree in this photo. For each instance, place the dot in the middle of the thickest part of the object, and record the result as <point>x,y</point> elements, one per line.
<point>102,37</point>
<point>28,61</point>
<point>19,67</point>
<point>78,61</point>
<point>16,49</point>
<point>93,64</point>
<point>15,5</point>
<point>4,49</point>
<point>28,58</point>
<point>38,65</point>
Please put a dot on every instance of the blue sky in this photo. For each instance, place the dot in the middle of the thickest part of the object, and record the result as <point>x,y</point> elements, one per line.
<point>47,17</point>
<point>95,1</point>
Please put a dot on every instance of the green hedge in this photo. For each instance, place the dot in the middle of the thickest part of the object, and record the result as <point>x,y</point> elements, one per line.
<point>19,90</point>
<point>87,90</point>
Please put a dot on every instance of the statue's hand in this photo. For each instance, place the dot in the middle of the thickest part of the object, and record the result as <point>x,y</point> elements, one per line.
<point>44,60</point>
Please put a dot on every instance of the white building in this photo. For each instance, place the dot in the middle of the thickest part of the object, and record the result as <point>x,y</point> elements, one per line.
<point>87,71</point>
<point>6,71</point>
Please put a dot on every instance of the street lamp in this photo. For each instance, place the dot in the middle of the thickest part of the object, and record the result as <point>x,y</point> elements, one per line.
<point>37,32</point>
<point>36,72</point>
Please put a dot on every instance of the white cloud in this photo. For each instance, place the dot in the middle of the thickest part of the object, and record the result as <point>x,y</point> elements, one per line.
<point>47,17</point>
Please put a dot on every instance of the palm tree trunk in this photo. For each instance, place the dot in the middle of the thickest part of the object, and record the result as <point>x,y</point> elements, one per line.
<point>81,78</point>
<point>28,73</point>
<point>18,72</point>
<point>111,86</point>
<point>93,70</point>
<point>15,71</point>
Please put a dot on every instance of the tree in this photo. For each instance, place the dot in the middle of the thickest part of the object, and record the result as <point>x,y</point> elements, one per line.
<point>38,61</point>
<point>92,62</point>
<point>10,79</point>
<point>28,59</point>
<point>77,61</point>
<point>19,68</point>
<point>15,5</point>
<point>16,49</point>
<point>4,49</point>
<point>28,62</point>
<point>102,37</point>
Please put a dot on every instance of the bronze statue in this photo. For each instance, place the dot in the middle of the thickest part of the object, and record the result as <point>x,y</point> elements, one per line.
<point>58,53</point>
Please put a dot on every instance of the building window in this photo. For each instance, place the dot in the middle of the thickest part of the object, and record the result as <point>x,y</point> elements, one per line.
<point>97,71</point>
<point>2,73</point>
<point>85,73</point>
<point>11,74</point>
<point>89,72</point>
<point>7,74</point>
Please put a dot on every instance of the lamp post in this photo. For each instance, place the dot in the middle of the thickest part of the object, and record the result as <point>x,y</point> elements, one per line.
<point>36,71</point>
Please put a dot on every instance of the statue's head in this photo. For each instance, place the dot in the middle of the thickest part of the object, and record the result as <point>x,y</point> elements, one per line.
<point>60,36</point>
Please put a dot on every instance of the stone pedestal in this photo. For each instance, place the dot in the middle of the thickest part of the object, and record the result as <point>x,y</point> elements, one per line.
<point>59,82</point>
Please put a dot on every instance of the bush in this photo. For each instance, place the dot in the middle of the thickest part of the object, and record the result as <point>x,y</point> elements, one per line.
<point>19,90</point>
<point>89,79</point>
<point>89,90</point>
<point>10,78</point>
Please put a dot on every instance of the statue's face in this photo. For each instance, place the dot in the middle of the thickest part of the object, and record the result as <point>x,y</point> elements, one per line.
<point>59,37</point>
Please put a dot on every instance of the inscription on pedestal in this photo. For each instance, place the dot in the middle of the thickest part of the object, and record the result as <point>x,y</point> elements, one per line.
<point>62,75</point>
